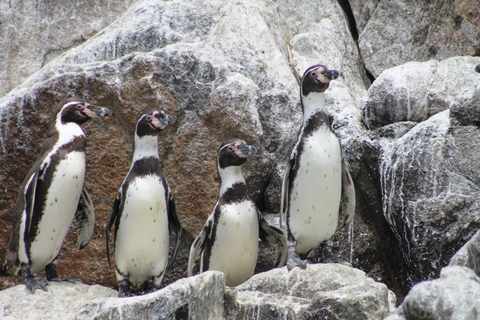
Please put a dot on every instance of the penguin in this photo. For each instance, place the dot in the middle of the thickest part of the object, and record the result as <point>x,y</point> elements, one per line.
<point>144,213</point>
<point>51,196</point>
<point>316,183</point>
<point>229,240</point>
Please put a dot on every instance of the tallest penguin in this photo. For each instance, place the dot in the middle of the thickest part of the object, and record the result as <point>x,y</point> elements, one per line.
<point>316,182</point>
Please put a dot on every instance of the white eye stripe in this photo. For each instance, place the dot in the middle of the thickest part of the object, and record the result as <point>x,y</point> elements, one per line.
<point>71,104</point>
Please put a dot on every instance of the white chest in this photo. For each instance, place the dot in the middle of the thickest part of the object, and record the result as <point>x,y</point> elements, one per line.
<point>59,209</point>
<point>316,191</point>
<point>236,242</point>
<point>141,246</point>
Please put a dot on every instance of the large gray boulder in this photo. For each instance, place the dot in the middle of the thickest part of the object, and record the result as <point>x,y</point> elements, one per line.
<point>320,291</point>
<point>33,33</point>
<point>400,31</point>
<point>198,297</point>
<point>63,300</point>
<point>428,163</point>
<point>454,296</point>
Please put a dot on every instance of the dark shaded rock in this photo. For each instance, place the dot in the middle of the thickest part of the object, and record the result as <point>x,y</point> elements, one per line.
<point>455,295</point>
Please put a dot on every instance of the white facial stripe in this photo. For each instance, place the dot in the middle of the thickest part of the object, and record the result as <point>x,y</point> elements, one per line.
<point>67,132</point>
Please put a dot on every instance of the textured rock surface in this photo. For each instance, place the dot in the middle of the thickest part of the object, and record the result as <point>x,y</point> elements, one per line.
<point>62,300</point>
<point>417,90</point>
<point>319,292</point>
<point>455,295</point>
<point>427,164</point>
<point>33,33</point>
<point>322,291</point>
<point>401,31</point>
<point>198,297</point>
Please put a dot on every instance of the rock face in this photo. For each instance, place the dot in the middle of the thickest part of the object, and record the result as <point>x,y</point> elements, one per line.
<point>321,291</point>
<point>455,295</point>
<point>429,183</point>
<point>34,33</point>
<point>62,300</point>
<point>395,32</point>
<point>199,297</point>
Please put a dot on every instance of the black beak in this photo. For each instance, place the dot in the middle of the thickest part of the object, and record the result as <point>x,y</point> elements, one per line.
<point>99,111</point>
<point>164,119</point>
<point>247,150</point>
<point>331,74</point>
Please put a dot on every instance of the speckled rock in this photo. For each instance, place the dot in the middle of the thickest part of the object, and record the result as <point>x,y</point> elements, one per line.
<point>401,31</point>
<point>62,300</point>
<point>455,295</point>
<point>198,297</point>
<point>322,291</point>
<point>417,90</point>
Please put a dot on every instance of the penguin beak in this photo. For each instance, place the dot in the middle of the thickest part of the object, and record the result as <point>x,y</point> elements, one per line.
<point>165,120</point>
<point>330,75</point>
<point>245,150</point>
<point>94,111</point>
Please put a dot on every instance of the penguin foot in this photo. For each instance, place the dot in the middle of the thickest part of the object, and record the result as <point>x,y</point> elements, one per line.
<point>32,284</point>
<point>293,260</point>
<point>29,280</point>
<point>124,289</point>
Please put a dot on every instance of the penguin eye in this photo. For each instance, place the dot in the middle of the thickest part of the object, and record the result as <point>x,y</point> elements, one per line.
<point>230,148</point>
<point>79,106</point>
<point>149,118</point>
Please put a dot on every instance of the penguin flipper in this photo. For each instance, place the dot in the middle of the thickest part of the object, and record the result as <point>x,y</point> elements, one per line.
<point>199,245</point>
<point>174,224</point>
<point>285,183</point>
<point>111,221</point>
<point>274,236</point>
<point>347,204</point>
<point>30,194</point>
<point>85,217</point>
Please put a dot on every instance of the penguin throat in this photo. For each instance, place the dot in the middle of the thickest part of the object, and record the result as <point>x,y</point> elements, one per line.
<point>312,103</point>
<point>230,176</point>
<point>68,131</point>
<point>145,147</point>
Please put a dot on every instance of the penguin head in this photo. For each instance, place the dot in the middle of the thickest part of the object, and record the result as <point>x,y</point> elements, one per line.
<point>79,111</point>
<point>317,79</point>
<point>234,152</point>
<point>152,122</point>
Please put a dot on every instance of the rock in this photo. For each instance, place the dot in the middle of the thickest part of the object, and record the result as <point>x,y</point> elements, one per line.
<point>62,300</point>
<point>429,192</point>
<point>34,33</point>
<point>322,291</point>
<point>469,255</point>
<point>198,297</point>
<point>455,295</point>
<point>363,11</point>
<point>417,90</point>
<point>416,32</point>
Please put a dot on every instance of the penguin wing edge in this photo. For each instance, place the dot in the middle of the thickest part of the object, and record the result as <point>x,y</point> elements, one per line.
<point>285,183</point>
<point>199,245</point>
<point>85,217</point>
<point>174,224</point>
<point>111,221</point>
<point>274,236</point>
<point>347,204</point>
